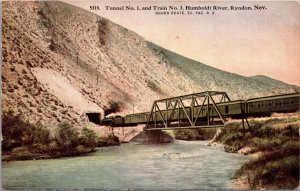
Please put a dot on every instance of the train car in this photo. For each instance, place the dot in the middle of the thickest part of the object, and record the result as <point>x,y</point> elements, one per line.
<point>137,118</point>
<point>265,106</point>
<point>233,109</point>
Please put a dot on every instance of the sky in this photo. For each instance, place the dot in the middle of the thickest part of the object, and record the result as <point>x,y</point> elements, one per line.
<point>255,42</point>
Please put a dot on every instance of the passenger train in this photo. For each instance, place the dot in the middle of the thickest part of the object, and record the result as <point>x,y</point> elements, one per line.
<point>238,109</point>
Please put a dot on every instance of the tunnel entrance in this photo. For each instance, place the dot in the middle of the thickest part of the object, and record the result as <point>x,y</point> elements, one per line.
<point>94,117</point>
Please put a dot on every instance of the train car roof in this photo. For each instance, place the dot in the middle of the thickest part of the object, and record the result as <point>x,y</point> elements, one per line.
<point>274,96</point>
<point>230,102</point>
<point>133,114</point>
<point>222,103</point>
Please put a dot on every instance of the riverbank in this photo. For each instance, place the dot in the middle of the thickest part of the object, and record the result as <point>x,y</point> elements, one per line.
<point>23,153</point>
<point>273,145</point>
<point>23,140</point>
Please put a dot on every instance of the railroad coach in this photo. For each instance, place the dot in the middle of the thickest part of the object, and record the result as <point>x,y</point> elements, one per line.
<point>268,105</point>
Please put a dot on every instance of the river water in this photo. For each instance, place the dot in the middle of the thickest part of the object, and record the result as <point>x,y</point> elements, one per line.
<point>179,165</point>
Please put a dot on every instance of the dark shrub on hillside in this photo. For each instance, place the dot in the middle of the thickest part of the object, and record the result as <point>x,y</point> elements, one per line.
<point>67,137</point>
<point>16,132</point>
<point>12,133</point>
<point>88,138</point>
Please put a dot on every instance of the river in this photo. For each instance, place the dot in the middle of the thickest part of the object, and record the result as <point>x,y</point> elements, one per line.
<point>179,165</point>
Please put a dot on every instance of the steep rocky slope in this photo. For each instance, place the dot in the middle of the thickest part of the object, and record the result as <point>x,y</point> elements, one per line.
<point>60,61</point>
<point>209,78</point>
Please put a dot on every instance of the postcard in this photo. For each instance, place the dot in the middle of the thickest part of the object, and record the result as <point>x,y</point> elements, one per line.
<point>149,95</point>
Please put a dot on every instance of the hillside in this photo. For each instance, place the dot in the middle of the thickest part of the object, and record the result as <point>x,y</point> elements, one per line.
<point>271,81</point>
<point>210,78</point>
<point>60,61</point>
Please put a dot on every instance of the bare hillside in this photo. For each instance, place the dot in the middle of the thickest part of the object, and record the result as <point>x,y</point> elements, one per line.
<point>210,78</point>
<point>60,61</point>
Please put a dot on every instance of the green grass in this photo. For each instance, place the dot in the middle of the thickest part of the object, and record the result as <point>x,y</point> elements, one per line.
<point>278,167</point>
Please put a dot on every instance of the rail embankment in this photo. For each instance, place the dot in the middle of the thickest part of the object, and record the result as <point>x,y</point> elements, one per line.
<point>274,147</point>
<point>23,140</point>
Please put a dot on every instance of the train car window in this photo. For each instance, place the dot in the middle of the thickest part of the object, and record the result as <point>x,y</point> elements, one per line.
<point>293,101</point>
<point>258,105</point>
<point>226,109</point>
<point>270,103</point>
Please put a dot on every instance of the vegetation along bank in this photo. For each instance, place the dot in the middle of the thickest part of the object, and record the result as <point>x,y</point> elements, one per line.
<point>273,145</point>
<point>23,140</point>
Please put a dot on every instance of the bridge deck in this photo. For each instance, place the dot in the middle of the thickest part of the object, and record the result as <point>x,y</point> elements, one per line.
<point>188,127</point>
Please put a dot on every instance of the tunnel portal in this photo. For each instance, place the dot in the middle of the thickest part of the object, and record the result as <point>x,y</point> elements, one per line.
<point>94,117</point>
